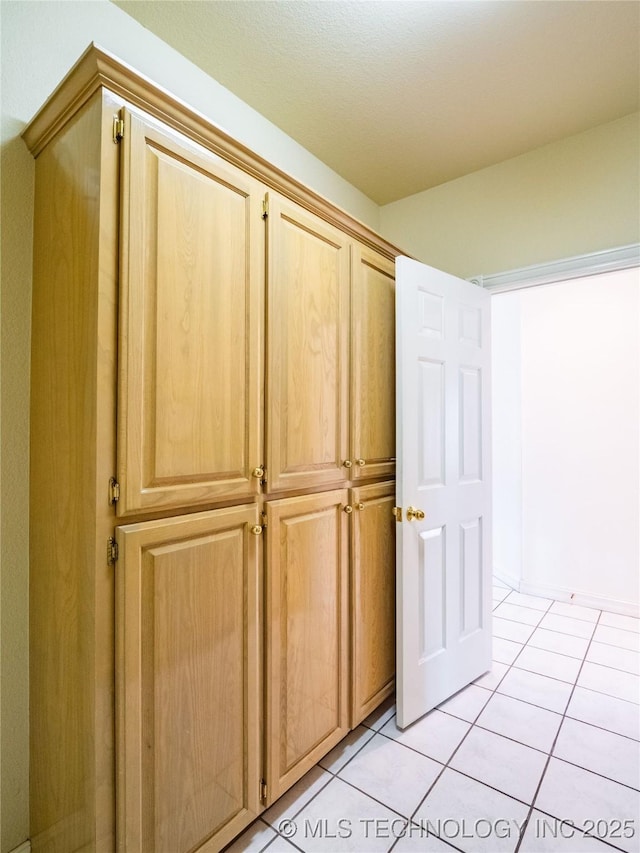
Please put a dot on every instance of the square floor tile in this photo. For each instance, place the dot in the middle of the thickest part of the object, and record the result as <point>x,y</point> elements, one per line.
<point>381,715</point>
<point>617,620</point>
<point>549,663</point>
<point>546,834</point>
<point>341,818</point>
<point>346,749</point>
<point>616,715</point>
<point>280,845</point>
<point>538,689</point>
<point>297,796</point>
<point>508,630</point>
<point>622,685</point>
<point>617,637</point>
<point>565,625</point>
<point>436,735</point>
<point>499,593</point>
<point>394,774</point>
<point>570,793</point>
<point>608,754</point>
<point>255,838</point>
<point>510,767</point>
<point>464,811</point>
<point>528,724</point>
<point>467,703</point>
<point>616,658</point>
<point>563,644</point>
<point>518,614</point>
<point>491,679</point>
<point>574,611</point>
<point>532,601</point>
<point>505,651</point>
<point>418,839</point>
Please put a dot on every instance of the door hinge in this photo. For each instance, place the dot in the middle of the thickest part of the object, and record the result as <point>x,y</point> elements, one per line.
<point>263,791</point>
<point>263,516</point>
<point>112,551</point>
<point>118,128</point>
<point>114,491</point>
<point>265,207</point>
<point>397,513</point>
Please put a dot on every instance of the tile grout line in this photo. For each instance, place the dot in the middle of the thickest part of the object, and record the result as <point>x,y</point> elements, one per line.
<point>553,746</point>
<point>466,735</point>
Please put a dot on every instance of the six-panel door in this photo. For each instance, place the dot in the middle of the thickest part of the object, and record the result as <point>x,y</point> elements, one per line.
<point>306,670</point>
<point>191,309</point>
<point>187,630</point>
<point>307,352</point>
<point>373,599</point>
<point>373,366</point>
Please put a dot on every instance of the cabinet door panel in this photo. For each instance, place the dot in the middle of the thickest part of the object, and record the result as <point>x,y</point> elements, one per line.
<point>373,400</point>
<point>187,633</point>
<point>373,599</point>
<point>191,320</point>
<point>307,354</point>
<point>306,640</point>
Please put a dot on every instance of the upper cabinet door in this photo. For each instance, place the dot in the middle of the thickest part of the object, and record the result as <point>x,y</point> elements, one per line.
<point>307,350</point>
<point>373,399</point>
<point>192,273</point>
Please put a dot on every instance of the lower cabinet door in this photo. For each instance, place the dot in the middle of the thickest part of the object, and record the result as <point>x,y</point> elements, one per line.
<point>373,595</point>
<point>188,681</point>
<point>306,584</point>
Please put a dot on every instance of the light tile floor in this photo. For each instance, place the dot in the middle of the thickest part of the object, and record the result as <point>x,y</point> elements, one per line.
<point>544,746</point>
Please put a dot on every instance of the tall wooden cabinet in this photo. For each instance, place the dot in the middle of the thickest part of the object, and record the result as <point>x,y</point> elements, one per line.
<point>212,560</point>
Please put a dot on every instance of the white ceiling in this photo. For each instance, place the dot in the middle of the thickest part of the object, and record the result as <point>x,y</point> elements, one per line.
<point>398,96</point>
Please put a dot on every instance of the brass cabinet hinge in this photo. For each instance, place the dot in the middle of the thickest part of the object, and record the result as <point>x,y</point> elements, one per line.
<point>397,513</point>
<point>114,491</point>
<point>112,551</point>
<point>265,207</point>
<point>118,128</point>
<point>263,791</point>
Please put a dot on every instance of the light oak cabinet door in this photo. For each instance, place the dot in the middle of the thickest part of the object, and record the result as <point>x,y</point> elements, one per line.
<point>373,366</point>
<point>373,598</point>
<point>191,320</point>
<point>306,634</point>
<point>307,349</point>
<point>188,681</point>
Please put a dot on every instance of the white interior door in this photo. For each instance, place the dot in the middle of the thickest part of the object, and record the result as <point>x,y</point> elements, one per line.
<point>443,327</point>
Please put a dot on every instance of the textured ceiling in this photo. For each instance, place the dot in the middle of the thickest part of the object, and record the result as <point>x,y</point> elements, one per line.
<point>398,97</point>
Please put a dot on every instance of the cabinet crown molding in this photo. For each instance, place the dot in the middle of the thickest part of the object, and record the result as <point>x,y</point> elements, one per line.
<point>98,68</point>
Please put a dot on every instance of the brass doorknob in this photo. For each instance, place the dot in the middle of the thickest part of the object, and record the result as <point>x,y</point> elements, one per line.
<point>362,462</point>
<point>348,509</point>
<point>412,513</point>
<point>347,463</point>
<point>360,505</point>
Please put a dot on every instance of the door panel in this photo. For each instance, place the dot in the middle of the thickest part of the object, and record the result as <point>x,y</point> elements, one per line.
<point>307,357</point>
<point>306,634</point>
<point>188,697</point>
<point>444,466</point>
<point>191,320</point>
<point>373,579</point>
<point>373,429</point>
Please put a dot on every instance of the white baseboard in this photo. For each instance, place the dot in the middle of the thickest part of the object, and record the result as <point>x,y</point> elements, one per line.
<point>626,608</point>
<point>25,847</point>
<point>511,580</point>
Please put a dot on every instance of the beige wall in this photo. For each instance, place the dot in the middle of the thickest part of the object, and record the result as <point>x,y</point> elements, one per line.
<point>40,42</point>
<point>572,197</point>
